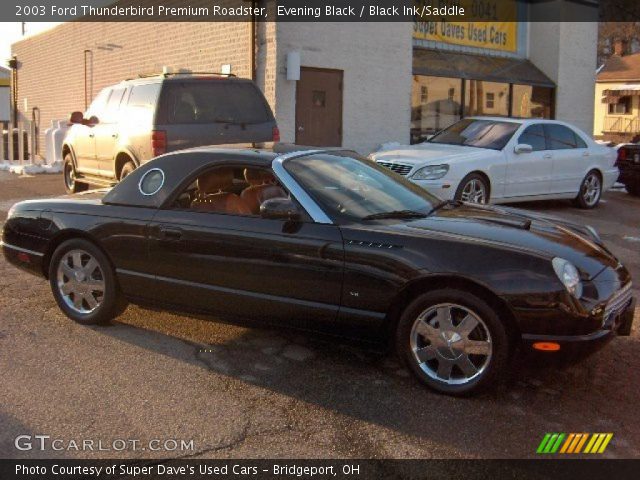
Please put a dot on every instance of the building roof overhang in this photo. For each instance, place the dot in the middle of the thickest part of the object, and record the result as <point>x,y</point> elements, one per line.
<point>445,63</point>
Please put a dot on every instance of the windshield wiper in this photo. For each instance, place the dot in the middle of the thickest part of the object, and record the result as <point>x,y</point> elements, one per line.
<point>395,214</point>
<point>445,203</point>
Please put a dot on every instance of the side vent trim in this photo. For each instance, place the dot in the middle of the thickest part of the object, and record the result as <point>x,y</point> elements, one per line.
<point>365,244</point>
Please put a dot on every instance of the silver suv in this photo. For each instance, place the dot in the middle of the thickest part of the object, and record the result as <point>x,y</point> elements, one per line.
<point>137,120</point>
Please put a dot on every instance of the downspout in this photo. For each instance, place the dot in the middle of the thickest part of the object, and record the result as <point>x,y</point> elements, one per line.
<point>86,78</point>
<point>254,5</point>
<point>13,64</point>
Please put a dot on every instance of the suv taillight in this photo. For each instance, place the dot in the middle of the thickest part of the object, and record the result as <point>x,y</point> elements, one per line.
<point>622,155</point>
<point>158,142</point>
<point>276,134</point>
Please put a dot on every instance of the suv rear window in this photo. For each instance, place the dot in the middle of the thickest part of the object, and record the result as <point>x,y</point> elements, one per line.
<point>217,101</point>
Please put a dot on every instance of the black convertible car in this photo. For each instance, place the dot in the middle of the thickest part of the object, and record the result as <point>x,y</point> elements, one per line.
<point>328,241</point>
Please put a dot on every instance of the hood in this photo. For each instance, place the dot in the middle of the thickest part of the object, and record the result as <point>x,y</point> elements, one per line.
<point>515,229</point>
<point>433,154</point>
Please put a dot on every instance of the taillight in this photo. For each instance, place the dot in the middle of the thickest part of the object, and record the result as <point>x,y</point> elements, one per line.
<point>276,134</point>
<point>622,155</point>
<point>158,142</point>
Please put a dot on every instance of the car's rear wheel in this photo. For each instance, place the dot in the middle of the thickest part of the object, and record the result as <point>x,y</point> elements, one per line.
<point>126,170</point>
<point>590,191</point>
<point>473,189</point>
<point>454,342</point>
<point>84,283</point>
<point>71,184</point>
<point>633,190</point>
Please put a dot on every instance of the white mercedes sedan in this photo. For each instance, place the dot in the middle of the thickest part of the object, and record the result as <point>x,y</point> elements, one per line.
<point>483,159</point>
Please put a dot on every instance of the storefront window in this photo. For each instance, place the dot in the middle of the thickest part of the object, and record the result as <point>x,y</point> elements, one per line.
<point>435,104</point>
<point>486,98</point>
<point>532,102</point>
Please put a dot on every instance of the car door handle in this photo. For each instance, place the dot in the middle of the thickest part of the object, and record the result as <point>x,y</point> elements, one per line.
<point>91,135</point>
<point>115,135</point>
<point>585,154</point>
<point>168,234</point>
<point>547,155</point>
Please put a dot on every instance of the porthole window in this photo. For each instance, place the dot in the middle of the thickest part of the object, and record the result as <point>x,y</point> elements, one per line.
<point>151,182</point>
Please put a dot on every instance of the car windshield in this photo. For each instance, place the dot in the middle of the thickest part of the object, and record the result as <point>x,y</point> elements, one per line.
<point>478,133</point>
<point>353,189</point>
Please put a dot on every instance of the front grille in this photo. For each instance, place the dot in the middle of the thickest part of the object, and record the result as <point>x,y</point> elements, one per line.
<point>616,305</point>
<point>397,167</point>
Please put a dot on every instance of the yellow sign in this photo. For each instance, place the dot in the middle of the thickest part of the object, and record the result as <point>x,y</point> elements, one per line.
<point>493,34</point>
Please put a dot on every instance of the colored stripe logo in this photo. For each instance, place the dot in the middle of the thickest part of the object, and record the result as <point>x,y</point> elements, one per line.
<point>574,443</point>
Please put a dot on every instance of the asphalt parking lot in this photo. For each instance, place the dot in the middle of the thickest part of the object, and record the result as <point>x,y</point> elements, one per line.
<point>245,392</point>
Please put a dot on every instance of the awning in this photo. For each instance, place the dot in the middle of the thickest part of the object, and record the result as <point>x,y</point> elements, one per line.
<point>628,90</point>
<point>444,63</point>
<point>614,95</point>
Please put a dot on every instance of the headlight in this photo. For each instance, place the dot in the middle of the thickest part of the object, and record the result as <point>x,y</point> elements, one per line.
<point>432,172</point>
<point>568,275</point>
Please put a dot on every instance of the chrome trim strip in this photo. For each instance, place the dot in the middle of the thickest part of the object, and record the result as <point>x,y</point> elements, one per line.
<point>317,214</point>
<point>20,249</point>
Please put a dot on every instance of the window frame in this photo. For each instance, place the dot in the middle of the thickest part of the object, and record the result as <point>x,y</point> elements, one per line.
<point>628,106</point>
<point>170,204</point>
<point>576,137</point>
<point>544,136</point>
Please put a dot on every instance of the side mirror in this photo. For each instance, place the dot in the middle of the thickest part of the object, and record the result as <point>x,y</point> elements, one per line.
<point>93,120</point>
<point>279,209</point>
<point>523,148</point>
<point>76,117</point>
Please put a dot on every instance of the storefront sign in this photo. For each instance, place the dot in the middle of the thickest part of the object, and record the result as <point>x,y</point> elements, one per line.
<point>494,34</point>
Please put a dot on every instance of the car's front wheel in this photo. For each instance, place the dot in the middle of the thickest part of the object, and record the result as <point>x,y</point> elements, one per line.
<point>454,342</point>
<point>84,283</point>
<point>473,188</point>
<point>590,191</point>
<point>71,184</point>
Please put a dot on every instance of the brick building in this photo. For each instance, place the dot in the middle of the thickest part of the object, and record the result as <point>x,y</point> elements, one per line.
<point>377,82</point>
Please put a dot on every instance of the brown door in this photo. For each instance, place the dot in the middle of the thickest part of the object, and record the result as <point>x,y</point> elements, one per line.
<point>319,107</point>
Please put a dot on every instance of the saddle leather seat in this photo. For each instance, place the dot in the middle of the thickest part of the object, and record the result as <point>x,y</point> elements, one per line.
<point>211,196</point>
<point>262,186</point>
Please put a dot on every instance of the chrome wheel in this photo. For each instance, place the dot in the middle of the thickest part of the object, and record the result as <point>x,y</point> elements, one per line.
<point>80,281</point>
<point>69,176</point>
<point>451,344</point>
<point>474,191</point>
<point>591,188</point>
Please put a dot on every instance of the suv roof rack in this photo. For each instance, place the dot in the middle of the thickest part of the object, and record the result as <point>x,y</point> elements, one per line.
<point>168,74</point>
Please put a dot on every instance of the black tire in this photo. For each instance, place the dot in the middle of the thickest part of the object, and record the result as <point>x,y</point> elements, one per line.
<point>127,169</point>
<point>491,369</point>
<point>109,304</point>
<point>633,190</point>
<point>467,182</point>
<point>585,199</point>
<point>71,185</point>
